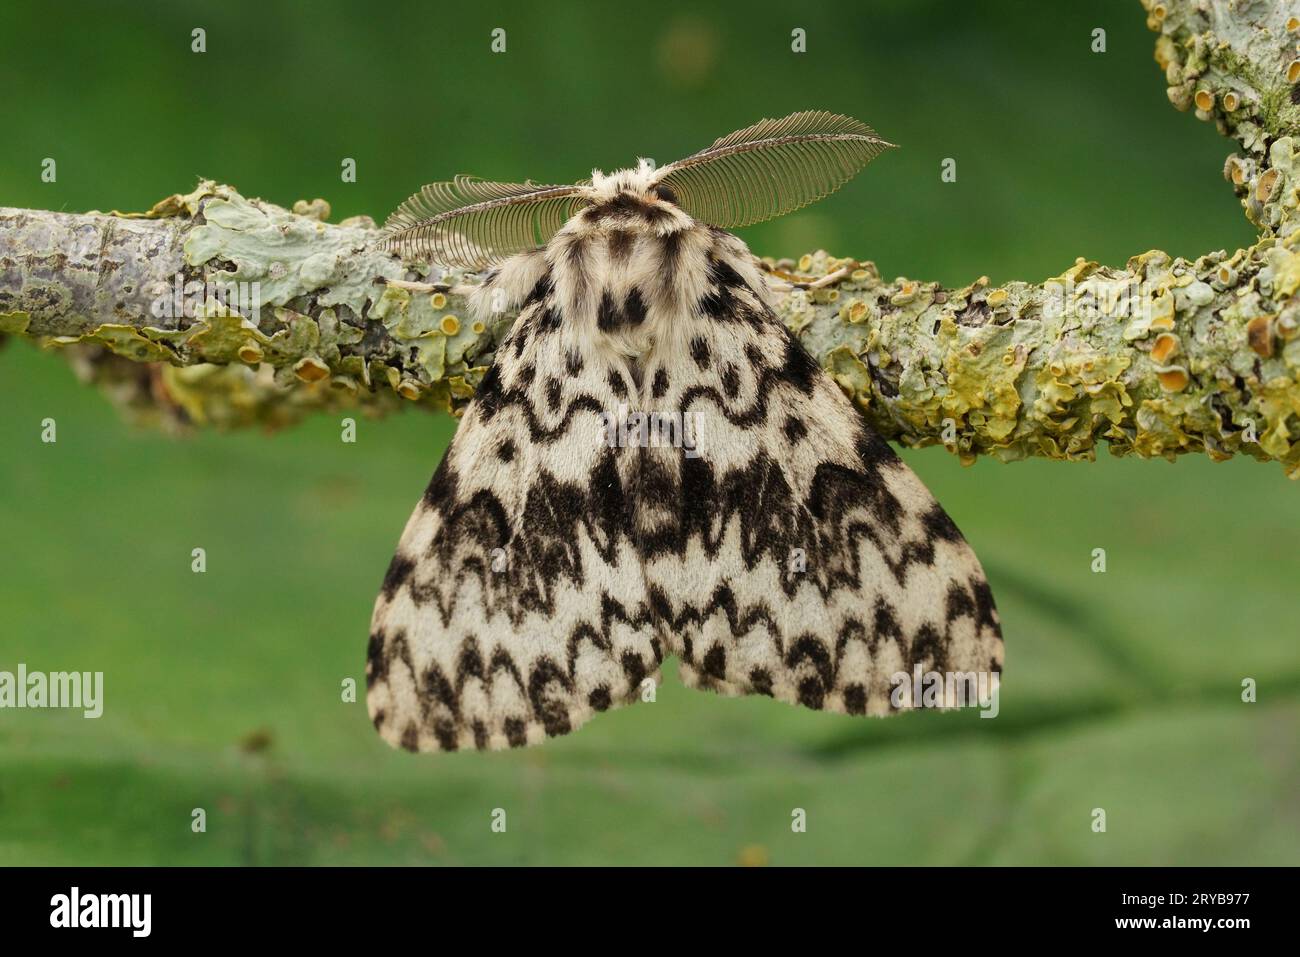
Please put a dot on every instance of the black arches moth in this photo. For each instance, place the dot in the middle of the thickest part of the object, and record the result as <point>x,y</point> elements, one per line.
<point>655,465</point>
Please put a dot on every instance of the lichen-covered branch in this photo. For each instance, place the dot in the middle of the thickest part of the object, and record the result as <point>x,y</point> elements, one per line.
<point>1161,357</point>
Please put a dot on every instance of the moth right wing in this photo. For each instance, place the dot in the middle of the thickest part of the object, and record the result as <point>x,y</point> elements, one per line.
<point>515,607</point>
<point>790,552</point>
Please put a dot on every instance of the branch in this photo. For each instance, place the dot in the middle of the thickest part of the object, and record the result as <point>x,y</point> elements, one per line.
<point>1162,357</point>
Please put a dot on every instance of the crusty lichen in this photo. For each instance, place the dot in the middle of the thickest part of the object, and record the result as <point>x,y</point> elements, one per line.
<point>323,313</point>
<point>1162,357</point>
<point>1157,359</point>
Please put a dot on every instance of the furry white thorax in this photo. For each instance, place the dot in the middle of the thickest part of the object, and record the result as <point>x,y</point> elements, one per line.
<point>627,240</point>
<point>639,179</point>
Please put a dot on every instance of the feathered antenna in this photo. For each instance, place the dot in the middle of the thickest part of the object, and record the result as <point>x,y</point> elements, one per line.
<point>473,223</point>
<point>754,174</point>
<point>771,168</point>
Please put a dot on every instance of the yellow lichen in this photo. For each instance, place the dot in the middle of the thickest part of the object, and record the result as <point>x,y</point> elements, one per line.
<point>981,386</point>
<point>15,323</point>
<point>1259,335</point>
<point>177,204</point>
<point>1285,266</point>
<point>850,372</point>
<point>1288,322</point>
<point>1160,427</point>
<point>1173,378</point>
<point>1264,186</point>
<point>1054,393</point>
<point>317,209</point>
<point>310,369</point>
<point>907,290</point>
<point>1277,400</point>
<point>218,335</point>
<point>122,340</point>
<point>432,352</point>
<point>1164,348</point>
<point>1166,51</point>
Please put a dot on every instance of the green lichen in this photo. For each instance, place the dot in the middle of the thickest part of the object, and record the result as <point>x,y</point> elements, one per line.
<point>122,340</point>
<point>15,323</point>
<point>1057,370</point>
<point>287,255</point>
<point>318,285</point>
<point>177,204</point>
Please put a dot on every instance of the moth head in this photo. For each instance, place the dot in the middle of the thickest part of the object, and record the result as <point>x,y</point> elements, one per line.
<point>631,200</point>
<point>635,182</point>
<point>640,183</point>
<point>749,176</point>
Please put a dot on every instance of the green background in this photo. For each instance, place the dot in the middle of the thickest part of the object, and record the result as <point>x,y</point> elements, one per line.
<point>1122,690</point>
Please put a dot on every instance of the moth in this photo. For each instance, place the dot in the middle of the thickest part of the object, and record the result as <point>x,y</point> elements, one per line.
<point>563,549</point>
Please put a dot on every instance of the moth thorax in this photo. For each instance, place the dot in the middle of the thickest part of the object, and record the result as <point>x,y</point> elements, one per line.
<point>649,276</point>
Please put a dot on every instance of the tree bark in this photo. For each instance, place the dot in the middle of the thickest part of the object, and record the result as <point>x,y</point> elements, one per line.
<point>1162,357</point>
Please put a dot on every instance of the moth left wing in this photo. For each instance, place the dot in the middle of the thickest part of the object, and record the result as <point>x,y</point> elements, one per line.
<point>515,606</point>
<point>791,553</point>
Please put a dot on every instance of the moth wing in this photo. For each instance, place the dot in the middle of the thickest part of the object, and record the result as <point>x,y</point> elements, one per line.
<point>515,607</point>
<point>791,553</point>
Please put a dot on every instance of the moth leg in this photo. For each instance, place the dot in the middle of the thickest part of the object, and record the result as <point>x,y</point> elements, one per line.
<point>794,281</point>
<point>456,289</point>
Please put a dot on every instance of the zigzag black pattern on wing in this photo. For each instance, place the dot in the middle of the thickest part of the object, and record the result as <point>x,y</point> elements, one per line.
<point>543,543</point>
<point>970,600</point>
<point>548,680</point>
